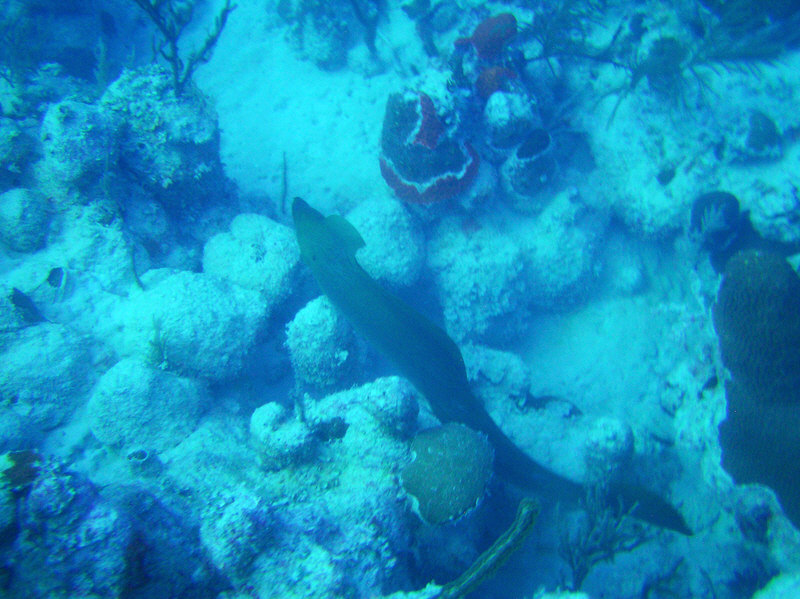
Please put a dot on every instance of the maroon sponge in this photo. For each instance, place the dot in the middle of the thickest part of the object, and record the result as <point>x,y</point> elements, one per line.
<point>419,160</point>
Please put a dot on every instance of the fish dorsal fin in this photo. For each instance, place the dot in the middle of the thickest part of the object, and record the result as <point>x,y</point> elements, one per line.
<point>340,227</point>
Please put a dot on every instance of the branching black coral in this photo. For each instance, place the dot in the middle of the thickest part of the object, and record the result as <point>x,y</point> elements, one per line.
<point>561,29</point>
<point>728,39</point>
<point>171,18</point>
<point>598,536</point>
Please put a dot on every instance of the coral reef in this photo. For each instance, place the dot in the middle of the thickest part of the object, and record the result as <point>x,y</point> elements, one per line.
<point>165,557</point>
<point>324,32</point>
<point>321,345</point>
<point>609,449</point>
<point>757,320</point>
<point>258,253</point>
<point>169,143</point>
<point>761,444</point>
<point>71,541</point>
<point>560,250</point>
<point>347,531</point>
<point>44,374</point>
<point>136,405</point>
<point>767,193</point>
<point>330,526</point>
<point>16,154</point>
<point>280,438</point>
<point>488,281</point>
<point>145,297</point>
<point>78,40</point>
<point>395,248</point>
<point>79,145</point>
<point>191,323</point>
<point>24,217</point>
<point>235,529</point>
<point>480,278</point>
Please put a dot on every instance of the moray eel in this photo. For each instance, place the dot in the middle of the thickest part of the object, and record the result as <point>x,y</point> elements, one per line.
<point>421,350</point>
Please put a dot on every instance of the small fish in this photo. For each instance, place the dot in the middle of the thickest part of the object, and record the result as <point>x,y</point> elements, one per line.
<point>55,277</point>
<point>18,469</point>
<point>25,307</point>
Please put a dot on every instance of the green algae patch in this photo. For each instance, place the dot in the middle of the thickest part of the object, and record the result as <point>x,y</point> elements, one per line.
<point>448,476</point>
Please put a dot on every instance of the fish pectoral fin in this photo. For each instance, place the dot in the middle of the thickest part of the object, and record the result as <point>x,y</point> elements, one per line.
<point>351,238</point>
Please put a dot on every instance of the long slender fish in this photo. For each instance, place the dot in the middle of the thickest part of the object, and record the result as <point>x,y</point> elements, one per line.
<point>421,350</point>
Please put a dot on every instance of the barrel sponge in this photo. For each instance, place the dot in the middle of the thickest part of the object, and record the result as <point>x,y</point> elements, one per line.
<point>757,320</point>
<point>451,468</point>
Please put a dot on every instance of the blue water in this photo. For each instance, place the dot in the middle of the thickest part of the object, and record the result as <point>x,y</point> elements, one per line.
<point>577,224</point>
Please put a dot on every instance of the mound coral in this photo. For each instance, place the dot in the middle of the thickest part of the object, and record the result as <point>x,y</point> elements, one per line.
<point>137,405</point>
<point>419,161</point>
<point>761,444</point>
<point>757,320</point>
<point>451,468</point>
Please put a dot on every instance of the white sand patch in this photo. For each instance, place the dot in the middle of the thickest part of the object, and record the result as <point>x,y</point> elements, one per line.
<point>270,102</point>
<point>599,356</point>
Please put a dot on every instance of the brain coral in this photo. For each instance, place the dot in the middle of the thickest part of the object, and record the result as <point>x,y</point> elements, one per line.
<point>757,320</point>
<point>451,468</point>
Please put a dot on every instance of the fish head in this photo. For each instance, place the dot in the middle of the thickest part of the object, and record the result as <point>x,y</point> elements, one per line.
<point>323,237</point>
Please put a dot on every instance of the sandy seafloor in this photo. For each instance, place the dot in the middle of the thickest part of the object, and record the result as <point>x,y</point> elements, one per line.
<point>208,428</point>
